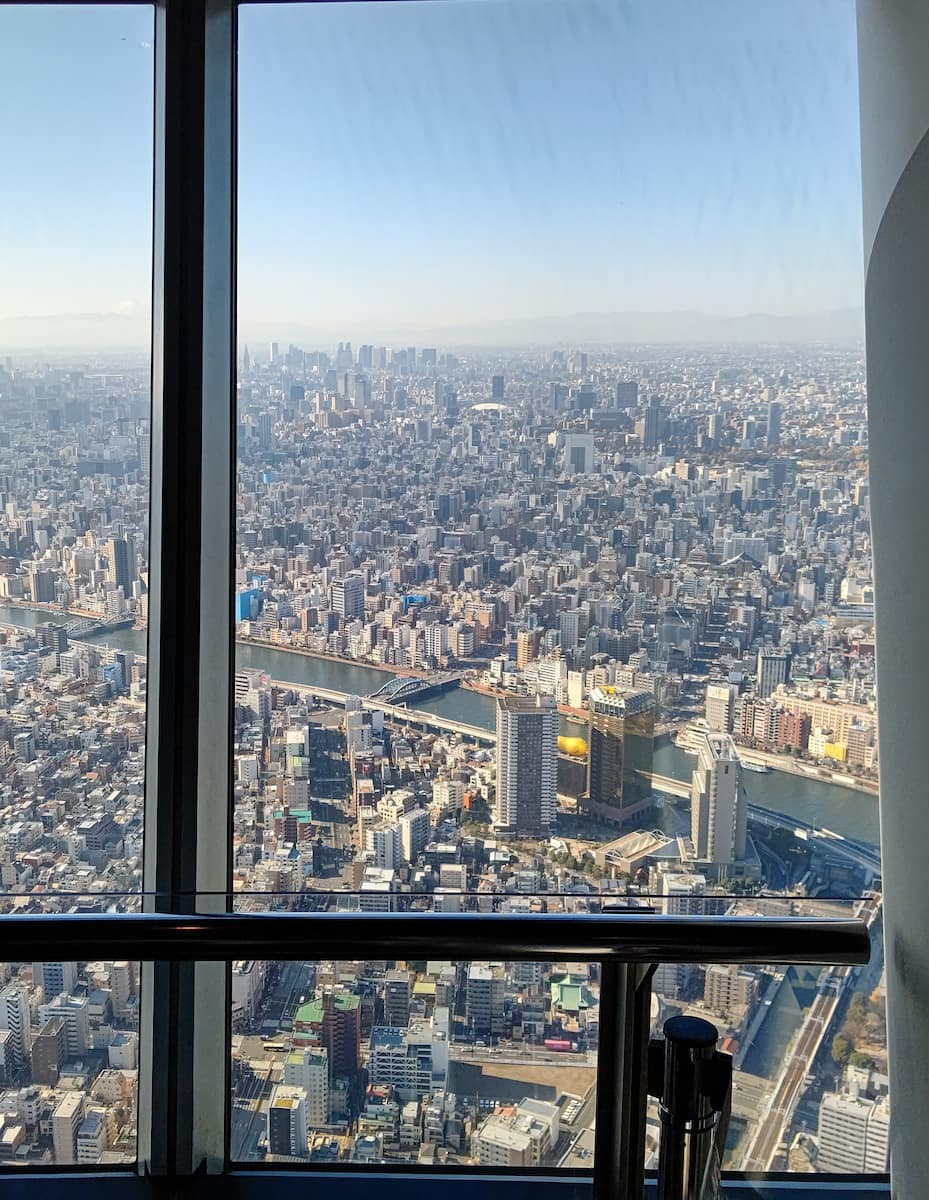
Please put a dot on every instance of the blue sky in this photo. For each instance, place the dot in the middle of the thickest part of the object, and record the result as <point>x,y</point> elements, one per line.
<point>439,162</point>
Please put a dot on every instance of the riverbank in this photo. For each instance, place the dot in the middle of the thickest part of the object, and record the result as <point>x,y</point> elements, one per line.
<point>387,668</point>
<point>484,689</point>
<point>790,766</point>
<point>793,766</point>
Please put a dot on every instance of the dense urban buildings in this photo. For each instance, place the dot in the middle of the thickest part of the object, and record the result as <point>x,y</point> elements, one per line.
<point>477,592</point>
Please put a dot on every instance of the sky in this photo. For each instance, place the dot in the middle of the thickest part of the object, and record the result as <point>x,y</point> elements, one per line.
<point>434,163</point>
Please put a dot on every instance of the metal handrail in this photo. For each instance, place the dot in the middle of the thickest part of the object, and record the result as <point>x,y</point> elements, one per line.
<point>605,938</point>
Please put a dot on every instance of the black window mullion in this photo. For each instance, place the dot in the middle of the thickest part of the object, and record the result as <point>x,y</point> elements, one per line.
<point>188,784</point>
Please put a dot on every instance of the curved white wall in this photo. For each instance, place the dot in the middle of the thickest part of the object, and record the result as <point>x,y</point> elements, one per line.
<point>894,89</point>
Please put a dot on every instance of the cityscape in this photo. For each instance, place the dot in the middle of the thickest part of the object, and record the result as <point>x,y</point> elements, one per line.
<point>526,630</point>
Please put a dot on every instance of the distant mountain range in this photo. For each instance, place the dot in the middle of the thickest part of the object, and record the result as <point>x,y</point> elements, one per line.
<point>104,331</point>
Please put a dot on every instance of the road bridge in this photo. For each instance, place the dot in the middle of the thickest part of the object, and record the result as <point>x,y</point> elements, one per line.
<point>403,688</point>
<point>413,717</point>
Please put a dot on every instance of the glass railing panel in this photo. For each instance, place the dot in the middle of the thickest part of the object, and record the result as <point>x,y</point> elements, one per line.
<point>69,1049</point>
<point>808,1043</point>
<point>435,1063</point>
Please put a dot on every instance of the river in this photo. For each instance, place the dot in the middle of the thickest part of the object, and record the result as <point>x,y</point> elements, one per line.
<point>843,810</point>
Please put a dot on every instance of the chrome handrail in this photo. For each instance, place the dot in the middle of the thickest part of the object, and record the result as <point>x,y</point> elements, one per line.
<point>607,937</point>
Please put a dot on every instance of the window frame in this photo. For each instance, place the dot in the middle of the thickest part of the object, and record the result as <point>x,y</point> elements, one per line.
<point>184,1118</point>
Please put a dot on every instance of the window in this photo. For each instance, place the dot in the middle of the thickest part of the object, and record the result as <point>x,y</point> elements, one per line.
<point>549,590</point>
<point>461,509</point>
<point>75,449</point>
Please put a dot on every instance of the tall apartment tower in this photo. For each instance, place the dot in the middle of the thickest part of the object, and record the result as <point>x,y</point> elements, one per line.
<point>718,809</point>
<point>348,596</point>
<point>119,570</point>
<point>527,764</point>
<point>308,1069</point>
<point>719,707</point>
<point>14,1017</point>
<point>773,669</point>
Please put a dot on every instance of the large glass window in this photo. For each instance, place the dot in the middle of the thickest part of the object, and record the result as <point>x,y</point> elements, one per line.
<point>553,570</point>
<point>76,89</point>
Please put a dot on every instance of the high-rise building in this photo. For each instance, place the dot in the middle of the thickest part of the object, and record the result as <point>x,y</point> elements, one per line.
<point>569,628</point>
<point>14,1017</point>
<point>42,587</point>
<point>527,764</point>
<point>496,384</point>
<point>66,1120</point>
<point>287,1123</point>
<point>527,643</point>
<point>49,1051</point>
<point>484,999</point>
<point>414,834</point>
<point>651,425</point>
<point>720,704</point>
<point>336,1020</point>
<point>119,569</point>
<point>398,992</point>
<point>627,393</point>
<point>579,454</point>
<point>854,1133</point>
<point>773,669</point>
<point>619,756</point>
<point>55,637</point>
<point>55,977</point>
<point>718,809</point>
<point>347,596</point>
<point>774,423</point>
<point>308,1069</point>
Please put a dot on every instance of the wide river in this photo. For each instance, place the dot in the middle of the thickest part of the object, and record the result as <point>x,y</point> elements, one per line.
<point>840,809</point>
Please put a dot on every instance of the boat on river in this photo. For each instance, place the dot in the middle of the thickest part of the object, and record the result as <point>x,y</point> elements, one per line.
<point>758,768</point>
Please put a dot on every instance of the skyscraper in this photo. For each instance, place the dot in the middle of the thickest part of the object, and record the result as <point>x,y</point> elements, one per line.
<point>619,757</point>
<point>579,455</point>
<point>773,669</point>
<point>118,564</point>
<point>651,424</point>
<point>348,596</point>
<point>718,809</point>
<point>774,423</point>
<point>496,384</point>
<point>527,764</point>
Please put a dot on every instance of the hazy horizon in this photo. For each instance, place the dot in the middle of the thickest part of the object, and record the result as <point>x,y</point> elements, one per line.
<point>412,170</point>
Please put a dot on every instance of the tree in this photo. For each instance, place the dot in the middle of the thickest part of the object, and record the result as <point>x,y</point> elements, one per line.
<point>841,1049</point>
<point>857,1059</point>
